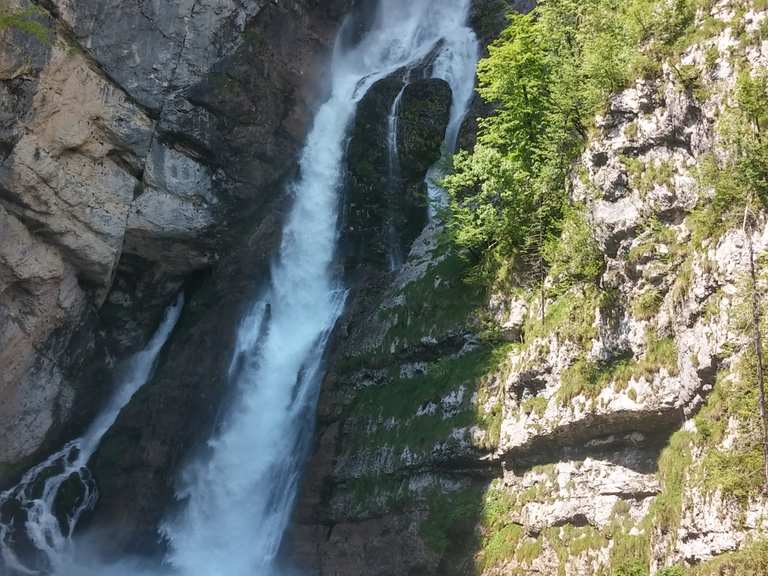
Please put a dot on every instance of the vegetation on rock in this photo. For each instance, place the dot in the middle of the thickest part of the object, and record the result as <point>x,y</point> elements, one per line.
<point>27,21</point>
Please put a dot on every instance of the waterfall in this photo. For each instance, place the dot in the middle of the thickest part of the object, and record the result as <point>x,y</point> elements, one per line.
<point>237,501</point>
<point>393,179</point>
<point>456,64</point>
<point>28,511</point>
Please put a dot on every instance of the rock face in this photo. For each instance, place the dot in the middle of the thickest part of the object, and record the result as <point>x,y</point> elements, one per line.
<point>138,144</point>
<point>142,151</point>
<point>607,437</point>
<point>396,137</point>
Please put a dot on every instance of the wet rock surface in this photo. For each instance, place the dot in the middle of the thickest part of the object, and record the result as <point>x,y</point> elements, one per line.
<point>386,199</point>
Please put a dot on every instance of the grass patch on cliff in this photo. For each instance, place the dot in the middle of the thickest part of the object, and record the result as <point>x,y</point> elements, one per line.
<point>644,176</point>
<point>571,542</point>
<point>731,410</point>
<point>438,303</point>
<point>572,316</point>
<point>647,304</point>
<point>424,410</point>
<point>588,377</point>
<point>750,561</point>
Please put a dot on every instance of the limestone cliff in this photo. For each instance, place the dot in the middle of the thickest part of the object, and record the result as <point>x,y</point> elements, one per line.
<point>611,430</point>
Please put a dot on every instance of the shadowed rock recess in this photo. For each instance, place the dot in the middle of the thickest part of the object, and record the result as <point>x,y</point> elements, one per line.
<point>463,427</point>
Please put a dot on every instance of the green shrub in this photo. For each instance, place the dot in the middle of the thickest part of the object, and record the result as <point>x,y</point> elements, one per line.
<point>548,74</point>
<point>671,571</point>
<point>635,568</point>
<point>574,257</point>
<point>647,305</point>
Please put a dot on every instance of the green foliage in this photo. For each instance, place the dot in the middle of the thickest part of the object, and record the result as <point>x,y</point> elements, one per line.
<point>571,316</point>
<point>739,180</point>
<point>28,22</point>
<point>500,545</point>
<point>736,471</point>
<point>644,176</point>
<point>548,74</point>
<point>647,305</point>
<point>634,568</point>
<point>674,463</point>
<point>588,378</point>
<point>574,257</point>
<point>671,571</point>
<point>536,405</point>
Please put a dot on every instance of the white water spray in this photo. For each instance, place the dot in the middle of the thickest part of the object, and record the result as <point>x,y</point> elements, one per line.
<point>395,255</point>
<point>238,501</point>
<point>456,64</point>
<point>34,498</point>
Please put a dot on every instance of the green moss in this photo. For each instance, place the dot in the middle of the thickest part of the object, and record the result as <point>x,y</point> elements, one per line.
<point>450,516</point>
<point>436,304</point>
<point>27,21</point>
<point>375,494</point>
<point>400,400</point>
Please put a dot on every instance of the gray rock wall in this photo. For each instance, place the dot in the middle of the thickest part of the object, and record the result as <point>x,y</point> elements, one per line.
<point>138,143</point>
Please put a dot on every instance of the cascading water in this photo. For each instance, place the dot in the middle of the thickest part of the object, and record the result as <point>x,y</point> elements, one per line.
<point>238,501</point>
<point>393,178</point>
<point>29,510</point>
<point>456,64</point>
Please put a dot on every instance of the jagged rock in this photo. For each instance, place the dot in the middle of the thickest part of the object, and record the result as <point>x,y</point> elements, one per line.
<point>71,176</point>
<point>423,116</point>
<point>39,295</point>
<point>170,220</point>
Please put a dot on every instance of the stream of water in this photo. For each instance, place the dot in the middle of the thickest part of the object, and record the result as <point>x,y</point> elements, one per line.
<point>31,512</point>
<point>238,502</point>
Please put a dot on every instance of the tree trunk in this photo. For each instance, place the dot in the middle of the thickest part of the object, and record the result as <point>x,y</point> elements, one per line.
<point>758,344</point>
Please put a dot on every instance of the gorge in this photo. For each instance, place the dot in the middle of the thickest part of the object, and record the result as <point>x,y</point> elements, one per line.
<point>257,318</point>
